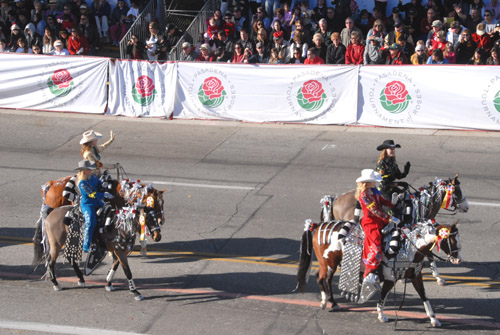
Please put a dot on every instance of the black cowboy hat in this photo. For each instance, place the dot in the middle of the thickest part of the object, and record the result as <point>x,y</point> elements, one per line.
<point>388,144</point>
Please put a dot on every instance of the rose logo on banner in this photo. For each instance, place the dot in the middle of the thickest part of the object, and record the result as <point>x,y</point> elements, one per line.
<point>394,98</point>
<point>60,83</point>
<point>144,92</point>
<point>496,101</point>
<point>211,93</point>
<point>311,95</point>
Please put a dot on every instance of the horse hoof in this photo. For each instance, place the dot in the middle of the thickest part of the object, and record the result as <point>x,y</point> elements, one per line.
<point>441,282</point>
<point>139,297</point>
<point>57,287</point>
<point>81,284</point>
<point>110,288</point>
<point>144,252</point>
<point>322,305</point>
<point>383,319</point>
<point>335,308</point>
<point>435,323</point>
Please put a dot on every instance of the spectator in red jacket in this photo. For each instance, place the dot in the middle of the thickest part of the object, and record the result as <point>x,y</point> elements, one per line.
<point>77,43</point>
<point>355,50</point>
<point>482,39</point>
<point>313,58</point>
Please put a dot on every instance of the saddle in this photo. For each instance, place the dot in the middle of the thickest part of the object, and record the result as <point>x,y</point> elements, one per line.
<point>73,247</point>
<point>350,284</point>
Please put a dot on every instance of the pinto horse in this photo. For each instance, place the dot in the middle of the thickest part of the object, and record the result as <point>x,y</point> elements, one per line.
<point>422,240</point>
<point>343,207</point>
<point>117,240</point>
<point>327,247</point>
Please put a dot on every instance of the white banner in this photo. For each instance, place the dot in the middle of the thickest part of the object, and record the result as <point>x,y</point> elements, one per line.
<point>140,88</point>
<point>53,83</point>
<point>466,97</point>
<point>267,93</point>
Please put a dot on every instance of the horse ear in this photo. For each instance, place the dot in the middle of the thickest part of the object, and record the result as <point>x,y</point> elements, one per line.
<point>163,190</point>
<point>455,223</point>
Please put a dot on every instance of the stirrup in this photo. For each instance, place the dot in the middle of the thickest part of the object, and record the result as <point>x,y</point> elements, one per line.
<point>369,287</point>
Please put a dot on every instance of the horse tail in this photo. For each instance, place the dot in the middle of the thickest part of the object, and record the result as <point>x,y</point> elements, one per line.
<point>306,249</point>
<point>39,245</point>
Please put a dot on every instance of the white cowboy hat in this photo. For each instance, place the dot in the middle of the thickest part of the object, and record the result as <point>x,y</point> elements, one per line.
<point>86,165</point>
<point>369,176</point>
<point>89,136</point>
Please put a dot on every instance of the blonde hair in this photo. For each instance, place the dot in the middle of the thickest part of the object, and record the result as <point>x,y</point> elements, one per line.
<point>360,188</point>
<point>81,176</point>
<point>86,147</point>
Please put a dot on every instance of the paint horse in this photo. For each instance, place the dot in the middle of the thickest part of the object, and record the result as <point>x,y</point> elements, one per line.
<point>426,203</point>
<point>421,240</point>
<point>119,239</point>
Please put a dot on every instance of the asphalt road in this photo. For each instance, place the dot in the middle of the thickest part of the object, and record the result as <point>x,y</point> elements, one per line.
<point>236,198</point>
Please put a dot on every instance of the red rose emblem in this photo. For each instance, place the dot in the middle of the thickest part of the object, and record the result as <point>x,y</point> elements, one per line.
<point>212,87</point>
<point>61,78</point>
<point>312,90</point>
<point>395,92</point>
<point>145,86</point>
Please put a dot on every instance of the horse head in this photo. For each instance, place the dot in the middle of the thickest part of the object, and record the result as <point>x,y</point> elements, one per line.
<point>460,201</point>
<point>448,239</point>
<point>153,209</point>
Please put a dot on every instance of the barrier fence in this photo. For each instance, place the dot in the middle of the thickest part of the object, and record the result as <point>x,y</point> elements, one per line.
<point>431,96</point>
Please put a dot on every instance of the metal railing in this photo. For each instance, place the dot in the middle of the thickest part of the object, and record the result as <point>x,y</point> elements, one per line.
<point>154,11</point>
<point>194,29</point>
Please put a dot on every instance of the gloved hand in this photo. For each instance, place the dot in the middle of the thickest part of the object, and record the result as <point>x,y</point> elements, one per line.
<point>407,168</point>
<point>108,195</point>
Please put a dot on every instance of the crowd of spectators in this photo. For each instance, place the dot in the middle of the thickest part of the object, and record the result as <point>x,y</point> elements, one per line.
<point>63,27</point>
<point>439,32</point>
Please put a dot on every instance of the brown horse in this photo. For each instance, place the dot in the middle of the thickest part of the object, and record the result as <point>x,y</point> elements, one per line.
<point>344,205</point>
<point>117,240</point>
<point>328,250</point>
<point>343,208</point>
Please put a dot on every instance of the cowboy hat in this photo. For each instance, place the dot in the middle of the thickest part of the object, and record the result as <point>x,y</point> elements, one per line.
<point>388,144</point>
<point>89,136</point>
<point>369,176</point>
<point>86,165</point>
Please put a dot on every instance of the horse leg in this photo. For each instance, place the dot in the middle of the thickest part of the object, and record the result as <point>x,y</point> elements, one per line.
<point>386,288</point>
<point>51,269</point>
<point>122,256</point>
<point>320,278</point>
<point>111,274</point>
<point>435,272</point>
<point>331,271</point>
<point>79,274</point>
<point>418,284</point>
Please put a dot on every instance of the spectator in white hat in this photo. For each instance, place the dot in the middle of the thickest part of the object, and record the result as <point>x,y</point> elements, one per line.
<point>59,49</point>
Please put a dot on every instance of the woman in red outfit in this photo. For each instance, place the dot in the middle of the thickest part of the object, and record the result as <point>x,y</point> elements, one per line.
<point>355,50</point>
<point>77,43</point>
<point>373,221</point>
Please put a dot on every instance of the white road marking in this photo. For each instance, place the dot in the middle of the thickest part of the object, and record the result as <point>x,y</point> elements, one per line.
<point>227,187</point>
<point>55,329</point>
<point>328,146</point>
<point>489,204</point>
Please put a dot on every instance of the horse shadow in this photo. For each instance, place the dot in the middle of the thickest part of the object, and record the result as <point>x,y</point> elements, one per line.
<point>279,250</point>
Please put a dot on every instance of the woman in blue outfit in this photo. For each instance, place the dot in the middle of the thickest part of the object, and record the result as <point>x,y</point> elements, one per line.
<point>91,199</point>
